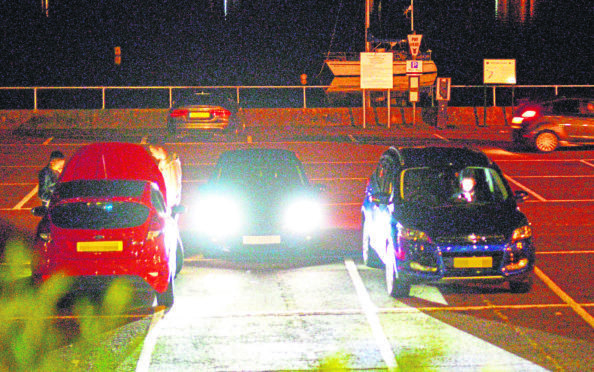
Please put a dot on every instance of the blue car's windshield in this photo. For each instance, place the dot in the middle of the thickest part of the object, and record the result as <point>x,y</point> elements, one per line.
<point>445,186</point>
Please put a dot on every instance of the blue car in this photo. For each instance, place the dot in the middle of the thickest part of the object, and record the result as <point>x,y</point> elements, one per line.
<point>442,214</point>
<point>258,199</point>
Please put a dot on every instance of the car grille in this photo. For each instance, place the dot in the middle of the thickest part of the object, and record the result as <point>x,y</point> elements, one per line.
<point>470,239</point>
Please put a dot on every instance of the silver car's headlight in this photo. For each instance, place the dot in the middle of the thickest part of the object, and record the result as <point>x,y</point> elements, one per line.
<point>304,215</point>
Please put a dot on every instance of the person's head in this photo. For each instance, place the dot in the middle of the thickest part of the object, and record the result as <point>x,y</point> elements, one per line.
<point>158,152</point>
<point>467,184</point>
<point>56,161</point>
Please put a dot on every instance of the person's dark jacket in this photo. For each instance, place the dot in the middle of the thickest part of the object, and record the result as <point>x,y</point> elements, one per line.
<point>47,184</point>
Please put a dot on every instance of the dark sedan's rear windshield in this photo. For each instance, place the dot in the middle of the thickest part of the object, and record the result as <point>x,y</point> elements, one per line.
<point>99,215</point>
<point>99,188</point>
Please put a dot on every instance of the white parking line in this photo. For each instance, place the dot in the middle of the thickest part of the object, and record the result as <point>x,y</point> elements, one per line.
<point>47,141</point>
<point>144,361</point>
<point>441,137</point>
<point>370,311</point>
<point>26,198</point>
<point>531,192</point>
<point>577,308</point>
<point>587,163</point>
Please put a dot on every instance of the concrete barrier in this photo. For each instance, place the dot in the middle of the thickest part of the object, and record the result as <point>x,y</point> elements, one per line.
<point>458,117</point>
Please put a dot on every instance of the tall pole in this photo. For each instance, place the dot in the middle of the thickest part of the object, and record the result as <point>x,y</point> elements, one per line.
<point>412,16</point>
<point>45,7</point>
<point>368,5</point>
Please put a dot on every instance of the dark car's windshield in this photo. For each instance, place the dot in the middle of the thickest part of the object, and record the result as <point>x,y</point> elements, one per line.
<point>260,175</point>
<point>445,186</point>
<point>99,215</point>
<point>99,188</point>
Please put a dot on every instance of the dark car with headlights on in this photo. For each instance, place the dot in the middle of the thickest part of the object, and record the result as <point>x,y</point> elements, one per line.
<point>258,199</point>
<point>548,125</point>
<point>108,218</point>
<point>210,111</point>
<point>444,214</point>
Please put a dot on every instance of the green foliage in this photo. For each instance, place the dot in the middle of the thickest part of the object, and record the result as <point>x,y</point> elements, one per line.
<point>30,332</point>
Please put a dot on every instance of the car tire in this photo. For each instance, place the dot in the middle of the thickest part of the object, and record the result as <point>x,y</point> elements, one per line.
<point>520,286</point>
<point>166,298</point>
<point>546,141</point>
<point>179,258</point>
<point>370,257</point>
<point>395,286</point>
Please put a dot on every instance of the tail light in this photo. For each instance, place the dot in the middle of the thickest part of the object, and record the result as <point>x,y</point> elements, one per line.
<point>224,113</point>
<point>156,227</point>
<point>528,114</point>
<point>178,113</point>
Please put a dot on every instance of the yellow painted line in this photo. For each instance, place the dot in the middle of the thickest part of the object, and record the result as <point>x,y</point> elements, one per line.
<point>47,141</point>
<point>27,197</point>
<point>577,308</point>
<point>370,311</point>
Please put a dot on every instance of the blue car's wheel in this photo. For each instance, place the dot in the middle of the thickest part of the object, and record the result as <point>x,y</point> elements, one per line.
<point>395,286</point>
<point>370,257</point>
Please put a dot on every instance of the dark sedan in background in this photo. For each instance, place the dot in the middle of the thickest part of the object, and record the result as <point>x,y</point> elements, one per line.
<point>210,111</point>
<point>257,199</point>
<point>442,214</point>
<point>561,122</point>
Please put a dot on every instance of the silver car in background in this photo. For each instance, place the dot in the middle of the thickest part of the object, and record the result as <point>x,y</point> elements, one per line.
<point>210,111</point>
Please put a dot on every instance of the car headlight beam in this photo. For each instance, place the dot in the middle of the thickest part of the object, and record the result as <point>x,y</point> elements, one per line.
<point>412,235</point>
<point>217,215</point>
<point>304,215</point>
<point>523,232</point>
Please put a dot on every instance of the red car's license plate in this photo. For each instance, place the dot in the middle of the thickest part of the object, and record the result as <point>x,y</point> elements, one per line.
<point>102,246</point>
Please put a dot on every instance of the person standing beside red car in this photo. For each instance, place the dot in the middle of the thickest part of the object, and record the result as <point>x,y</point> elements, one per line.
<point>48,176</point>
<point>170,166</point>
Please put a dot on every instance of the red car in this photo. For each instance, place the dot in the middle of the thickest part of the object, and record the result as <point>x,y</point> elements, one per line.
<point>108,218</point>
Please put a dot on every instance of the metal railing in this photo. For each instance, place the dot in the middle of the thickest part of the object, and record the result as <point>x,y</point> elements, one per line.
<point>104,97</point>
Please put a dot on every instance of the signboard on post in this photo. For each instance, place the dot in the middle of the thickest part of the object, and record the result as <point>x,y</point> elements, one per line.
<point>443,88</point>
<point>499,71</point>
<point>377,70</point>
<point>414,67</point>
<point>414,43</point>
<point>413,88</point>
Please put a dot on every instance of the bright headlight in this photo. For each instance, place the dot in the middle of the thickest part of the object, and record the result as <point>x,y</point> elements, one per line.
<point>412,234</point>
<point>217,215</point>
<point>520,233</point>
<point>304,215</point>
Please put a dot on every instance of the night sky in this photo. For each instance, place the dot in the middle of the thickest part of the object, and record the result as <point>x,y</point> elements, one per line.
<point>272,42</point>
